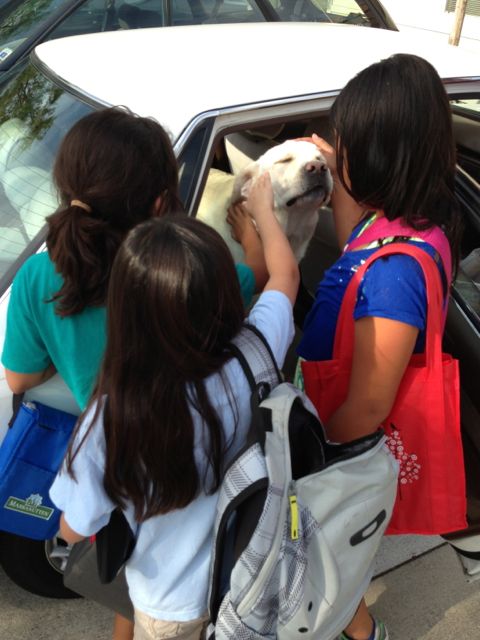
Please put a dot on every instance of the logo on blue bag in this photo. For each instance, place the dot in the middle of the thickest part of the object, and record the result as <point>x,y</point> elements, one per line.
<point>31,506</point>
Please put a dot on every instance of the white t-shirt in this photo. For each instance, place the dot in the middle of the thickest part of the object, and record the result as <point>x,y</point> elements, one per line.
<point>167,573</point>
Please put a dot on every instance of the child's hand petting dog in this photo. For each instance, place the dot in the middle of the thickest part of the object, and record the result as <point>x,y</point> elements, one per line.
<point>244,230</point>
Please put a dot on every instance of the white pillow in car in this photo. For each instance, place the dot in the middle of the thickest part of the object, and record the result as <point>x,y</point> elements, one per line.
<point>216,199</point>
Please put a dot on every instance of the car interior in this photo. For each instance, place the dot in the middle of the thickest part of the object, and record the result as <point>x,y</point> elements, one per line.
<point>237,148</point>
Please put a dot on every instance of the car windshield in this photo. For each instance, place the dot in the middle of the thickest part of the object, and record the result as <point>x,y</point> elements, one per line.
<point>34,116</point>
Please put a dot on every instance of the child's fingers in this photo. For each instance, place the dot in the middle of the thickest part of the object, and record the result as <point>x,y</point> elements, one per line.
<point>322,144</point>
<point>234,211</point>
<point>261,194</point>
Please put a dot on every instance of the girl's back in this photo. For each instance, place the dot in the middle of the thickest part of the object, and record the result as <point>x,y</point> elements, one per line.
<point>172,407</point>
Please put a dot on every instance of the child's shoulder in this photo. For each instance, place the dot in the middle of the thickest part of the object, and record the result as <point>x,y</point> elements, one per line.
<point>37,266</point>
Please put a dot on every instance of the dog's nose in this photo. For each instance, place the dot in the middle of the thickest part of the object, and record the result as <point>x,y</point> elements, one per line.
<point>316,167</point>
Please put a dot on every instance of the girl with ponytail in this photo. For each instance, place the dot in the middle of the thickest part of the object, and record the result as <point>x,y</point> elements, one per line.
<point>113,170</point>
<point>172,407</point>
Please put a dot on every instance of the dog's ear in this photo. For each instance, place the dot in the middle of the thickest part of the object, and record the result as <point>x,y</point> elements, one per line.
<point>243,182</point>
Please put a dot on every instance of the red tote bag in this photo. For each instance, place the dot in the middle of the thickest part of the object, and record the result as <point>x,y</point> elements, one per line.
<point>423,428</point>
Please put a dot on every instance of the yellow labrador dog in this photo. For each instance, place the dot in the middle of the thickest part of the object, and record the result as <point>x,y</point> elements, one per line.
<point>301,185</point>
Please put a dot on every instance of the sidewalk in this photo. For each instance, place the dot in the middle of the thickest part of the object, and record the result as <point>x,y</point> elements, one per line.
<point>426,598</point>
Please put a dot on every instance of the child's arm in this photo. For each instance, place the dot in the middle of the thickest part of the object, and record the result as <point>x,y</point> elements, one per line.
<point>67,533</point>
<point>244,232</point>
<point>21,382</point>
<point>383,348</point>
<point>281,263</point>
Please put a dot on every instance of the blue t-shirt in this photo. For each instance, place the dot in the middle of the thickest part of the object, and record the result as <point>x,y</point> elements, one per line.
<point>393,288</point>
<point>36,336</point>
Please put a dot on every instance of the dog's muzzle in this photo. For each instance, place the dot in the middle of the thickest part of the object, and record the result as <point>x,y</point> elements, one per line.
<point>318,189</point>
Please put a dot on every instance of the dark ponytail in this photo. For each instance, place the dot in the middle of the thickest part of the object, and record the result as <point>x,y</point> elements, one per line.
<point>117,165</point>
<point>83,249</point>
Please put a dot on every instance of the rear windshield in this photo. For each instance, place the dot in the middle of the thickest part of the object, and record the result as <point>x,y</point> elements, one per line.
<point>34,116</point>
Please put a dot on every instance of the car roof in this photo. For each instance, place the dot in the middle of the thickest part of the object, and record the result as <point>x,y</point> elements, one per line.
<point>174,74</point>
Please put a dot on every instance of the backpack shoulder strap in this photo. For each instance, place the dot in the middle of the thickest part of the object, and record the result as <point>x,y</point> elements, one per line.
<point>255,356</point>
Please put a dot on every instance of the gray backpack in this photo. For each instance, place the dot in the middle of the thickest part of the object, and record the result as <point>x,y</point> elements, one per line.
<point>299,519</point>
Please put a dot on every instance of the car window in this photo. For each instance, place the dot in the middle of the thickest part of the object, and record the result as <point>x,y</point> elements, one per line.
<point>19,19</point>
<point>467,106</point>
<point>344,11</point>
<point>34,116</point>
<point>205,11</point>
<point>109,15</point>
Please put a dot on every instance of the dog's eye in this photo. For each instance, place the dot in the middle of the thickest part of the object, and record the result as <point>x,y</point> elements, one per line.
<point>285,160</point>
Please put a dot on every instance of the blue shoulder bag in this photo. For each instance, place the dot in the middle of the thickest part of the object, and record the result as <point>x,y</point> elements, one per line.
<point>30,456</point>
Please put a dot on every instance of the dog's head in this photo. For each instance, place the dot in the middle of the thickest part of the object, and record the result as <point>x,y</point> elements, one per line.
<point>300,177</point>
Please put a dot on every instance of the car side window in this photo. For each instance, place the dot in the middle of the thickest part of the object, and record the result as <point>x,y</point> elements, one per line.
<point>17,23</point>
<point>94,16</point>
<point>468,106</point>
<point>343,11</point>
<point>466,126</point>
<point>213,11</point>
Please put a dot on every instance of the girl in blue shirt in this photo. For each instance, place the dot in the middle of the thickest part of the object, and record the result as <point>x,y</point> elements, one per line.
<point>393,157</point>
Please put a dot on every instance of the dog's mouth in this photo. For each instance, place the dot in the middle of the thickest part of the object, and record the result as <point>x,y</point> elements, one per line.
<point>315,193</point>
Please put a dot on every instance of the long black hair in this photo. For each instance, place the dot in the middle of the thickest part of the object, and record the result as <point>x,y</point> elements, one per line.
<point>174,303</point>
<point>394,141</point>
<point>116,164</point>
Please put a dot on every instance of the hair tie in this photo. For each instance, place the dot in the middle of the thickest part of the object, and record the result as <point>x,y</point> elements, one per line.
<point>82,205</point>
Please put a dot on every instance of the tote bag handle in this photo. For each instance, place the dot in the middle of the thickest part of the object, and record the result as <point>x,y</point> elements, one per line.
<point>383,228</point>
<point>344,334</point>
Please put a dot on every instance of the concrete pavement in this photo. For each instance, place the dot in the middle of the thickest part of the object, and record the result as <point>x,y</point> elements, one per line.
<point>426,598</point>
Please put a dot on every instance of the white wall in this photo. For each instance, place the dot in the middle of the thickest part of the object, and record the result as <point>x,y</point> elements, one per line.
<point>430,16</point>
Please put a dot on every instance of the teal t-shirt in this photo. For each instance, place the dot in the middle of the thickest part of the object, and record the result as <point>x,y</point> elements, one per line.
<point>246,279</point>
<point>36,336</point>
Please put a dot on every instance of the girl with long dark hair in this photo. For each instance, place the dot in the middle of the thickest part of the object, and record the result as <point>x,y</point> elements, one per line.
<point>171,407</point>
<point>394,160</point>
<point>112,171</point>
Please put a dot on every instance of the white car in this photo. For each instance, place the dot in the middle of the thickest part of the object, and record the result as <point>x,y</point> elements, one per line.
<point>245,88</point>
